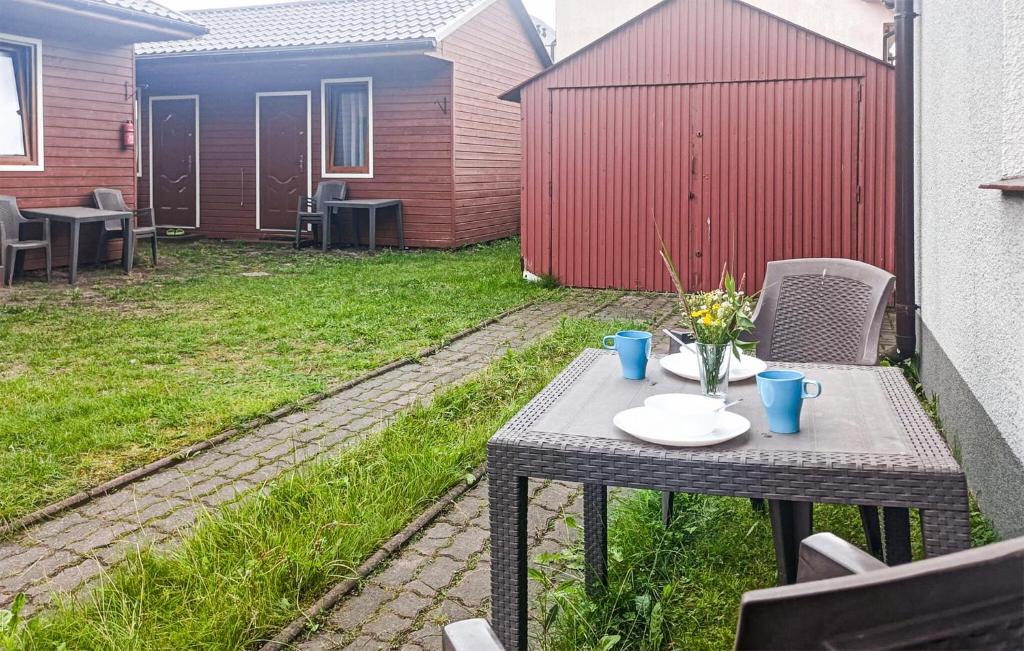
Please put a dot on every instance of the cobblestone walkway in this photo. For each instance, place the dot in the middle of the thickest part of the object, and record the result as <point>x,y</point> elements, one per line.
<point>443,576</point>
<point>64,553</point>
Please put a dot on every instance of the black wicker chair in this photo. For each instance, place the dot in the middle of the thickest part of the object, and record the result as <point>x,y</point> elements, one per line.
<point>108,199</point>
<point>312,211</point>
<point>847,599</point>
<point>826,310</point>
<point>11,243</point>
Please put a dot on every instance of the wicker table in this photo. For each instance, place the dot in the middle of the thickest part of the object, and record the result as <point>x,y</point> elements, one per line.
<point>74,217</point>
<point>865,441</point>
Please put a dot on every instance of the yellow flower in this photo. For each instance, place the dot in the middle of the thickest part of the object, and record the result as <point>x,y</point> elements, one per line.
<point>707,320</point>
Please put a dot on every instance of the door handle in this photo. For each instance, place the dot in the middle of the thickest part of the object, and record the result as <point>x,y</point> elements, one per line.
<point>302,162</point>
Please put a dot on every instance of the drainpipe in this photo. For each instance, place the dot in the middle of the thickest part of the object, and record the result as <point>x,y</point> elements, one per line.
<point>906,302</point>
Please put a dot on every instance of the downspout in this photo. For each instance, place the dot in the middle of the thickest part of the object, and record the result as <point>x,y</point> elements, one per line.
<point>906,300</point>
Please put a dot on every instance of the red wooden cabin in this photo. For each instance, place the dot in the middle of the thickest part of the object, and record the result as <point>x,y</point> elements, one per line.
<point>233,121</point>
<point>746,138</point>
<point>69,64</point>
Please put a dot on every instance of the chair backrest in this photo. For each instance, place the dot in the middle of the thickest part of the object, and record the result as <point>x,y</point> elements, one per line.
<point>10,217</point>
<point>109,199</point>
<point>968,600</point>
<point>821,310</point>
<point>329,191</point>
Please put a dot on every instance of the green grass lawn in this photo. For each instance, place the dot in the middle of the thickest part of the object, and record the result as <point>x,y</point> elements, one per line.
<point>115,372</point>
<point>250,568</point>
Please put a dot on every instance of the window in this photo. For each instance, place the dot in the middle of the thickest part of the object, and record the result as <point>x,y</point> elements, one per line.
<point>347,107</point>
<point>19,104</point>
<point>889,42</point>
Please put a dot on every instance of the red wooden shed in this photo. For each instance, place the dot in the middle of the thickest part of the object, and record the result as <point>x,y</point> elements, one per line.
<point>746,138</point>
<point>397,98</point>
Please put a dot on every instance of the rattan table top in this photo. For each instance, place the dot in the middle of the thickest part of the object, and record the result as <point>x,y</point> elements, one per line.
<point>866,418</point>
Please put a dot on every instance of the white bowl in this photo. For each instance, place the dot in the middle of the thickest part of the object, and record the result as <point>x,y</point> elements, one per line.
<point>693,415</point>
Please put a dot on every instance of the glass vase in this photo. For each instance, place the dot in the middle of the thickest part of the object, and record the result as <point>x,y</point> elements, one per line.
<point>713,363</point>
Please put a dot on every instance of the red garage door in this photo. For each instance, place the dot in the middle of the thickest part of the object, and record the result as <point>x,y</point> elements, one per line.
<point>739,173</point>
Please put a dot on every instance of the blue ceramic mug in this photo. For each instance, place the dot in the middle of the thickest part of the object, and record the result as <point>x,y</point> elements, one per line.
<point>783,394</point>
<point>634,348</point>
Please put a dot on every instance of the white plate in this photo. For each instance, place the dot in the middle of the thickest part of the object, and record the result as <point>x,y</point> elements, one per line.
<point>657,426</point>
<point>684,364</point>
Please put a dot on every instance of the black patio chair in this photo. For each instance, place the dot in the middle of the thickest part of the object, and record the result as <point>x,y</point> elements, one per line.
<point>846,599</point>
<point>313,211</point>
<point>108,199</point>
<point>11,242</point>
<point>826,310</point>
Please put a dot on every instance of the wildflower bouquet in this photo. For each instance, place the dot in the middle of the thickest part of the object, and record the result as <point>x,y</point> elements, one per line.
<point>717,319</point>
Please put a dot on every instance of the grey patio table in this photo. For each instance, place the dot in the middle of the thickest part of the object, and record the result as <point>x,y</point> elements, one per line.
<point>371,206</point>
<point>74,217</point>
<point>865,441</point>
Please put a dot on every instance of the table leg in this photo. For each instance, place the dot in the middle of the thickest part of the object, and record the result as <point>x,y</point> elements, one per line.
<point>667,498</point>
<point>373,228</point>
<point>73,252</point>
<point>401,228</point>
<point>945,531</point>
<point>791,523</point>
<point>896,535</point>
<point>325,241</point>
<point>508,503</point>
<point>128,247</point>
<point>872,530</point>
<point>595,537</point>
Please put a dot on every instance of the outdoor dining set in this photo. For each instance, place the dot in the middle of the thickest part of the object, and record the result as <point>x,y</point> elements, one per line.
<point>811,418</point>
<point>325,207</point>
<point>117,221</point>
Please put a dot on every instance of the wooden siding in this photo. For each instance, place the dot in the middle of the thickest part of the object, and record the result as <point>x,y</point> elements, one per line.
<point>84,106</point>
<point>730,51</point>
<point>491,53</point>
<point>412,157</point>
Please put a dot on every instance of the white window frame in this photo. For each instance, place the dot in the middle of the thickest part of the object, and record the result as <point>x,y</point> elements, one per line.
<point>324,83</point>
<point>309,148</point>
<point>37,81</point>
<point>199,177</point>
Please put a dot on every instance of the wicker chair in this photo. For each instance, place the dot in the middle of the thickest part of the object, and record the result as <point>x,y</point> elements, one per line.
<point>846,599</point>
<point>108,199</point>
<point>11,223</point>
<point>313,211</point>
<point>820,310</point>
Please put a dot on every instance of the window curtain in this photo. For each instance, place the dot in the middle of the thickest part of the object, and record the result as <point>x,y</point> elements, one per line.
<point>12,113</point>
<point>350,117</point>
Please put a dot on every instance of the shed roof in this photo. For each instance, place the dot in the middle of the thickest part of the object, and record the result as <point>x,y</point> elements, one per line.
<point>514,94</point>
<point>319,24</point>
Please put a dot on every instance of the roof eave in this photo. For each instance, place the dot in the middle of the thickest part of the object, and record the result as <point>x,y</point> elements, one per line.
<point>153,25</point>
<point>354,49</point>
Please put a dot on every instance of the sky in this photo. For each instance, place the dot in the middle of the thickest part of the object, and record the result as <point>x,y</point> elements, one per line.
<point>543,9</point>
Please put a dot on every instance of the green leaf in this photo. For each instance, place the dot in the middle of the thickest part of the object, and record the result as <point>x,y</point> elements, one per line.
<point>607,642</point>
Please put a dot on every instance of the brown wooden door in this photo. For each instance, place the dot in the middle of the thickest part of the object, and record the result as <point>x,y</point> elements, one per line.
<point>283,158</point>
<point>175,162</point>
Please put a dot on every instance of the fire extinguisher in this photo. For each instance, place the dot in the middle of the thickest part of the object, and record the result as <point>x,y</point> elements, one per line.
<point>127,134</point>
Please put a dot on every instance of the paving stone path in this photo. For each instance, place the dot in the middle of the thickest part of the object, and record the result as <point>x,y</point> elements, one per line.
<point>442,576</point>
<point>74,548</point>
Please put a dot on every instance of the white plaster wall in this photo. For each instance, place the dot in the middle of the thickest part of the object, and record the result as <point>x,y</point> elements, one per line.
<point>856,23</point>
<point>970,244</point>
